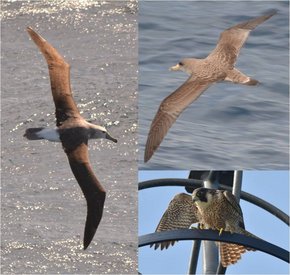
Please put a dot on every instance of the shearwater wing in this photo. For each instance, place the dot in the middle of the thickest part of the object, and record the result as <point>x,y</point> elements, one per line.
<point>232,40</point>
<point>170,108</point>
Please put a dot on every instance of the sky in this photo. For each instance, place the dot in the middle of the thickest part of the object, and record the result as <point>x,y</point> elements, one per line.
<point>272,186</point>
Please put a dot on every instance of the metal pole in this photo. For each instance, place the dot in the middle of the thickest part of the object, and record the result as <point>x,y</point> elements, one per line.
<point>237,187</point>
<point>195,249</point>
<point>210,250</point>
<point>194,257</point>
<point>237,184</point>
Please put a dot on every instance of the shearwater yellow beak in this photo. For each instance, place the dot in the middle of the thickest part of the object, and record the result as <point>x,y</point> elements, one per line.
<point>175,68</point>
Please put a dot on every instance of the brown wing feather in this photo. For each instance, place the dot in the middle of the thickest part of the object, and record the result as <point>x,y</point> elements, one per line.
<point>234,203</point>
<point>59,72</point>
<point>181,213</point>
<point>170,108</point>
<point>92,189</point>
<point>231,40</point>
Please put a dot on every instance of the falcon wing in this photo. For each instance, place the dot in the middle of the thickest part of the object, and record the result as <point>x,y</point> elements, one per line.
<point>234,203</point>
<point>181,213</point>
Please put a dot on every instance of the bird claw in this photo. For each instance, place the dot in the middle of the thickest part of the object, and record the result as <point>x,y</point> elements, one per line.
<point>193,227</point>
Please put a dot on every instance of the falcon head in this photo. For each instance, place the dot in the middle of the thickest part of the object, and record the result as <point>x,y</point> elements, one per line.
<point>203,196</point>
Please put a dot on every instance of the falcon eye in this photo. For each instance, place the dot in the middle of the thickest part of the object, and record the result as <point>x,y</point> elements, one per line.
<point>180,64</point>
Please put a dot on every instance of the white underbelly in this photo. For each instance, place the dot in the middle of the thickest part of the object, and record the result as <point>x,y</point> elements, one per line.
<point>49,134</point>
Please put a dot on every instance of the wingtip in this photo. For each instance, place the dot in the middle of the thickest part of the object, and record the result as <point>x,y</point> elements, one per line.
<point>88,238</point>
<point>30,30</point>
<point>147,154</point>
<point>85,245</point>
<point>272,12</point>
<point>34,35</point>
<point>146,157</point>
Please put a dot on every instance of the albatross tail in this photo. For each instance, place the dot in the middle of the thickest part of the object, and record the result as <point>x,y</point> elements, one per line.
<point>33,133</point>
<point>42,133</point>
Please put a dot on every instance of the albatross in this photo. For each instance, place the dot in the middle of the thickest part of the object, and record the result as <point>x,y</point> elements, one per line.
<point>218,66</point>
<point>73,131</point>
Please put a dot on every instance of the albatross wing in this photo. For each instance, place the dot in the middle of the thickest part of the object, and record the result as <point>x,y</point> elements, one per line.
<point>170,108</point>
<point>92,189</point>
<point>232,40</point>
<point>59,72</point>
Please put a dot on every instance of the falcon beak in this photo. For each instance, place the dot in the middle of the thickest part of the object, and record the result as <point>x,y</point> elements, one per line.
<point>110,138</point>
<point>194,199</point>
<point>175,68</point>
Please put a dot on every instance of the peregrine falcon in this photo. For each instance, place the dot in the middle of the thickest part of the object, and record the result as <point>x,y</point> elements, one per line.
<point>213,209</point>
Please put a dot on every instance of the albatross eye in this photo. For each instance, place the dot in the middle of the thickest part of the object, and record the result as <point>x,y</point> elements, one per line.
<point>180,64</point>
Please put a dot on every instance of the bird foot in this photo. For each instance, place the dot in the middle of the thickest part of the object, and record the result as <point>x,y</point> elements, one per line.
<point>193,227</point>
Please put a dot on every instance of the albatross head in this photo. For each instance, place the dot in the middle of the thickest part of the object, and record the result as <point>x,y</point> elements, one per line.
<point>97,131</point>
<point>186,65</point>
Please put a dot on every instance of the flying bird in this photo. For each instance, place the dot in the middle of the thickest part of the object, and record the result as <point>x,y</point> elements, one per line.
<point>213,209</point>
<point>218,66</point>
<point>73,131</point>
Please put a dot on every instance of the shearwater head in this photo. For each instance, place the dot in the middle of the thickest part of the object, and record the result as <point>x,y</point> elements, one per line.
<point>186,65</point>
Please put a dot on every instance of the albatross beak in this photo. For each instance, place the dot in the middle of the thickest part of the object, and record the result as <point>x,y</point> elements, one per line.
<point>175,68</point>
<point>110,138</point>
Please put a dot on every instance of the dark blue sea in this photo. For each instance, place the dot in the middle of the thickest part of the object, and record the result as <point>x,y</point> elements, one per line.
<point>230,126</point>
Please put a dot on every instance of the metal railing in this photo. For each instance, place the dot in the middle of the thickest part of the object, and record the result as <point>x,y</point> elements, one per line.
<point>211,235</point>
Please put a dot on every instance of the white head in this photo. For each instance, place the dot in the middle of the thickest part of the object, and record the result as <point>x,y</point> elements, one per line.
<point>97,131</point>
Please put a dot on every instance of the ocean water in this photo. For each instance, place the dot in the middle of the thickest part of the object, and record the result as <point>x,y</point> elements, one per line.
<point>43,210</point>
<point>230,126</point>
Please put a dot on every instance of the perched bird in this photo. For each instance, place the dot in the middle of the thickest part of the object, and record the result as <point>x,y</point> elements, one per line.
<point>73,131</point>
<point>212,209</point>
<point>218,66</point>
<point>219,210</point>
